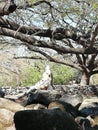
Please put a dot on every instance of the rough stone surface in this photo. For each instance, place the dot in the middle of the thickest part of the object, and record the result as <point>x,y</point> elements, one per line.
<point>6,120</point>
<point>6,117</point>
<point>71,89</point>
<point>72,99</point>
<point>11,127</point>
<point>10,105</point>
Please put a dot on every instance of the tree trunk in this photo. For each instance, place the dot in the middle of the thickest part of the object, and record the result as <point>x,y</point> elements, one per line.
<point>45,82</point>
<point>85,79</point>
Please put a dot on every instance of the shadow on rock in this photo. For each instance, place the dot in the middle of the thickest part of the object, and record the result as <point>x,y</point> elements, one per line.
<point>44,120</point>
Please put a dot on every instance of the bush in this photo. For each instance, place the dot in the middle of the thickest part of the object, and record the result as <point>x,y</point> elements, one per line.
<point>62,74</point>
<point>29,75</point>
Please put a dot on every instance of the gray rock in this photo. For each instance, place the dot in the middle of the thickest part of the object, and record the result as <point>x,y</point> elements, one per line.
<point>72,99</point>
<point>42,96</point>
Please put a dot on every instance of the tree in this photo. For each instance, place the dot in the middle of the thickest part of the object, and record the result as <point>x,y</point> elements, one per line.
<point>63,31</point>
<point>7,7</point>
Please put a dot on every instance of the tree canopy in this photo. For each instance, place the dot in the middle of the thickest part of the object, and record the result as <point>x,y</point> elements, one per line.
<point>63,31</point>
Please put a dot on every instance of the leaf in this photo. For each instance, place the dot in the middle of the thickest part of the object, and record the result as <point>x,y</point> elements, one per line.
<point>94,6</point>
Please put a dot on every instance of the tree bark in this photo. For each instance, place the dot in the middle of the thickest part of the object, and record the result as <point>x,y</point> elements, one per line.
<point>7,7</point>
<point>45,82</point>
<point>85,79</point>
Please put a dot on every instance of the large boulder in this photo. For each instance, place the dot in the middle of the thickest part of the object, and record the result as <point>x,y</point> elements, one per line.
<point>10,105</point>
<point>89,107</point>
<point>64,106</point>
<point>45,119</point>
<point>72,99</point>
<point>6,120</point>
<point>43,97</point>
<point>6,117</point>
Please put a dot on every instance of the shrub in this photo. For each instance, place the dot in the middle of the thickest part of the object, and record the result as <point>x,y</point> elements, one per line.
<point>29,75</point>
<point>62,74</point>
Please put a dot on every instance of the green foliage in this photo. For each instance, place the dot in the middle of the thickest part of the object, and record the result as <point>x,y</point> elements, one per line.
<point>95,6</point>
<point>33,1</point>
<point>62,74</point>
<point>30,76</point>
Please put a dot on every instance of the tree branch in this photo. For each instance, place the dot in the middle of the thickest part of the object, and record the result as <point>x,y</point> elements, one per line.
<point>54,59</point>
<point>31,40</point>
<point>91,62</point>
<point>7,7</point>
<point>93,36</point>
<point>30,57</point>
<point>57,34</point>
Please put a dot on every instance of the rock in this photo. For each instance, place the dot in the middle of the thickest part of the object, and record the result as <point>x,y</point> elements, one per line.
<point>39,106</point>
<point>64,107</point>
<point>1,93</point>
<point>11,127</point>
<point>89,107</point>
<point>6,120</point>
<point>20,98</point>
<point>91,102</point>
<point>6,117</point>
<point>37,97</point>
<point>88,123</point>
<point>84,122</point>
<point>7,128</point>
<point>14,91</point>
<point>44,120</point>
<point>54,95</point>
<point>72,99</point>
<point>93,120</point>
<point>43,97</point>
<point>35,106</point>
<point>10,105</point>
